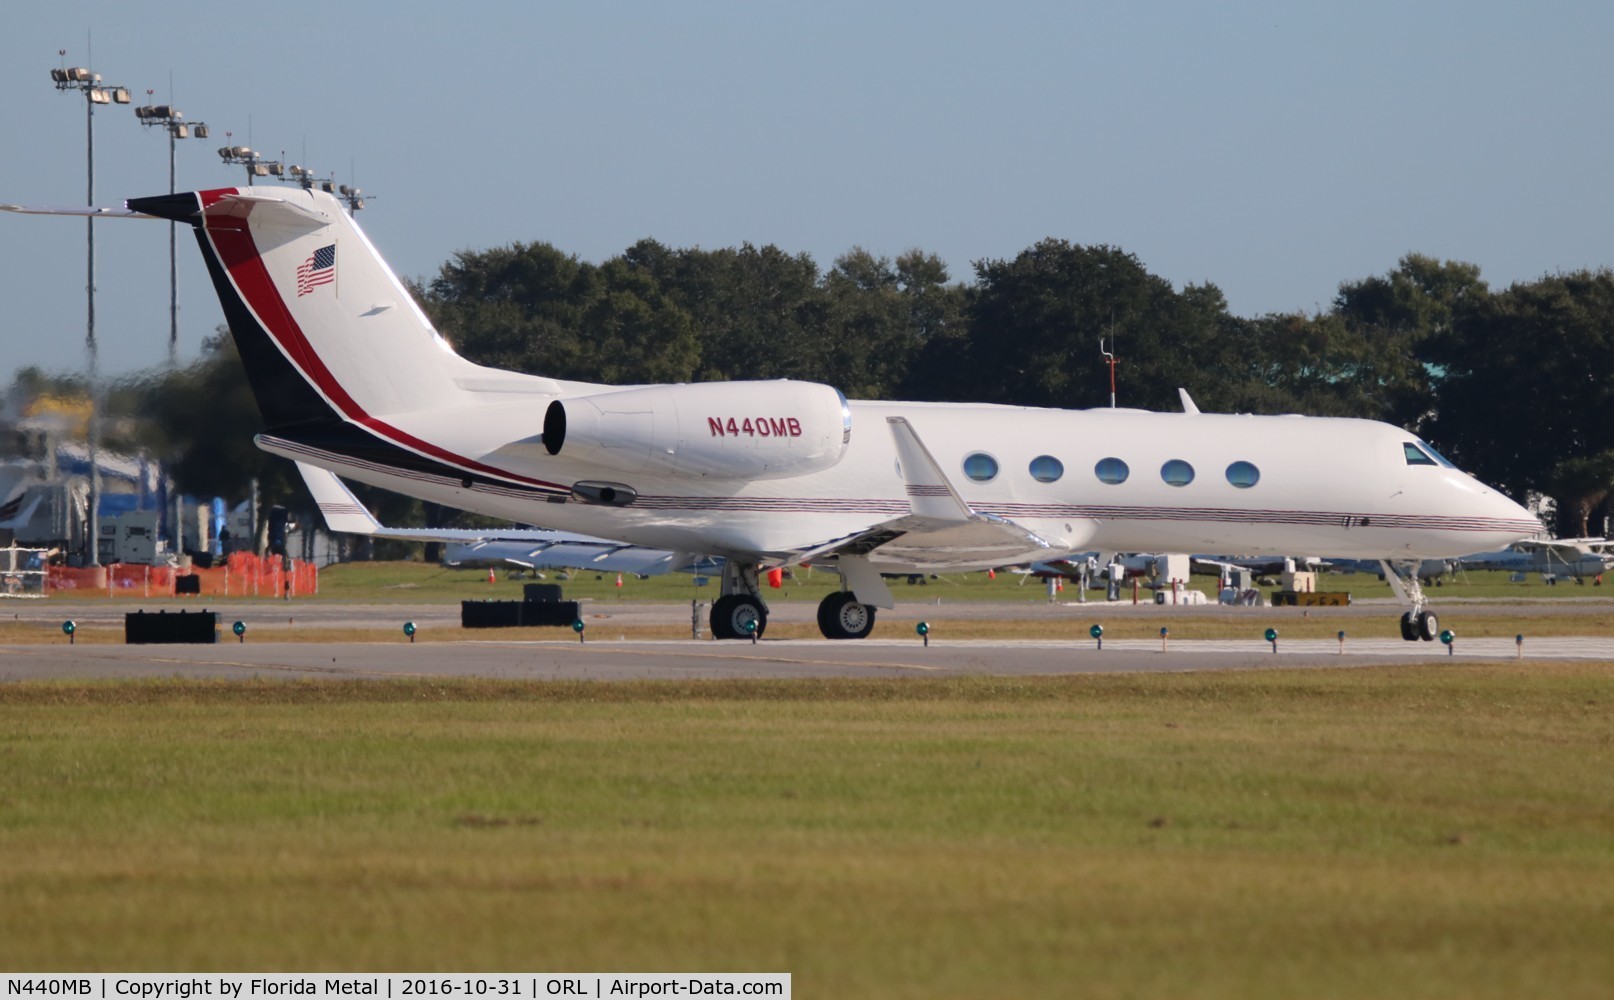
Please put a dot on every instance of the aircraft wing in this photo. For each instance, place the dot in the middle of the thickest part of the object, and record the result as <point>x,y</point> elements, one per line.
<point>532,548</point>
<point>1560,546</point>
<point>13,515</point>
<point>940,531</point>
<point>608,557</point>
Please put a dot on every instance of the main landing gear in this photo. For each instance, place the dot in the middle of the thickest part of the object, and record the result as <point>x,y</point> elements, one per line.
<point>740,612</point>
<point>840,616</point>
<point>1419,622</point>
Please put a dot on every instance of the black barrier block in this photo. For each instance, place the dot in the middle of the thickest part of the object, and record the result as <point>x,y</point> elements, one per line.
<point>532,592</point>
<point>557,613</point>
<point>513,614</point>
<point>150,628</point>
<point>490,614</point>
<point>190,583</point>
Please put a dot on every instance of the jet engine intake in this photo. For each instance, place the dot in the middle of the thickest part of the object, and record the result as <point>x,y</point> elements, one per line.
<point>716,430</point>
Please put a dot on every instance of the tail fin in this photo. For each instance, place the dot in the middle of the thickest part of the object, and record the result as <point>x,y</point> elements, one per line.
<point>324,327</point>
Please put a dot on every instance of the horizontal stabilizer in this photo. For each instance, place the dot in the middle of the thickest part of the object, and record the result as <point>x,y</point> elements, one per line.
<point>86,211</point>
<point>340,508</point>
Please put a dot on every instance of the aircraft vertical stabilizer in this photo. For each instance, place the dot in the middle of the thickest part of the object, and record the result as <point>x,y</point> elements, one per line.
<point>310,301</point>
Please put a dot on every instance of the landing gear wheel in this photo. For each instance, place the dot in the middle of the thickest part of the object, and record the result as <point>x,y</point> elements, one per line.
<point>840,616</point>
<point>1409,627</point>
<point>732,612</point>
<point>1428,626</point>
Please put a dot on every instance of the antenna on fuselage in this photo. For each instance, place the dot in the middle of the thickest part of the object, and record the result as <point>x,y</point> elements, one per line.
<point>1109,357</point>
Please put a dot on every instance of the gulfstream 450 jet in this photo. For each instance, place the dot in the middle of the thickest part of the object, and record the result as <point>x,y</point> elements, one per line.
<point>350,376</point>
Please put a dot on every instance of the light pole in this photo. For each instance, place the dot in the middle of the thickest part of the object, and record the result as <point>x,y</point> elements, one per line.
<point>173,122</point>
<point>247,157</point>
<point>95,92</point>
<point>353,196</point>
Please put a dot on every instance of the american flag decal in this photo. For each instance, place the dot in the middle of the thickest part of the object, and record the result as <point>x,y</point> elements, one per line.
<point>318,269</point>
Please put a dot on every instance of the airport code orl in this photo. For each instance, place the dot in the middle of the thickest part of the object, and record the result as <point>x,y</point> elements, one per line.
<point>760,427</point>
<point>236,986</point>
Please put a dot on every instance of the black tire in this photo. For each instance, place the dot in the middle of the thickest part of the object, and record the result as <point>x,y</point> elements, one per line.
<point>840,616</point>
<point>731,612</point>
<point>1428,626</point>
<point>1409,627</point>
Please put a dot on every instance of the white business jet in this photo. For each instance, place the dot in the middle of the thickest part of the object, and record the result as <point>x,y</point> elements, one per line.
<point>351,377</point>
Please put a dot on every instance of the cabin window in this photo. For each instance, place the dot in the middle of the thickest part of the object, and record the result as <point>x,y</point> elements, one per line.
<point>1047,469</point>
<point>1243,475</point>
<point>1177,473</point>
<point>981,467</point>
<point>1416,455</point>
<point>1111,470</point>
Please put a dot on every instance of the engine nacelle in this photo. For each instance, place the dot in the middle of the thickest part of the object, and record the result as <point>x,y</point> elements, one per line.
<point>717,430</point>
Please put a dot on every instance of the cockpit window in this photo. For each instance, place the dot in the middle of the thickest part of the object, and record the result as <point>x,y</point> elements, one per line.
<point>1416,455</point>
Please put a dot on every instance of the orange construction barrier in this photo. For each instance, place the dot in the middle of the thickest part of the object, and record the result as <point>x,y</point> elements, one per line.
<point>242,575</point>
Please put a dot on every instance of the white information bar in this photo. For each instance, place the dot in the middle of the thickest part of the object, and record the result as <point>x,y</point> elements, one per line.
<point>388,986</point>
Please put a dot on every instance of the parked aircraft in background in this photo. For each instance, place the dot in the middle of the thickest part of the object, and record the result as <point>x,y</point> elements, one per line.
<point>1581,558</point>
<point>528,548</point>
<point>1427,570</point>
<point>350,376</point>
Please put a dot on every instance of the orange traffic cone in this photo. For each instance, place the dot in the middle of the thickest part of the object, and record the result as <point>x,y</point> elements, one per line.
<point>991,574</point>
<point>776,577</point>
<point>491,577</point>
<point>619,579</point>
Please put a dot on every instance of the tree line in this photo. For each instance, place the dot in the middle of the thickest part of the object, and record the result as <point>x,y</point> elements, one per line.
<point>1512,385</point>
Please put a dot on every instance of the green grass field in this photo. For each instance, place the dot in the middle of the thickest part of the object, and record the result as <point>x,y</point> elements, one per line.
<point>1409,832</point>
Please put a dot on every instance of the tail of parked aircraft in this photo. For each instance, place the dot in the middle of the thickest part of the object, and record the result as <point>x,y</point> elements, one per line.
<point>325,329</point>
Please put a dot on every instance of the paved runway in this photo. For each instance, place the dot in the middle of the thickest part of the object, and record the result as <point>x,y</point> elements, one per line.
<point>606,657</point>
<point>622,660</point>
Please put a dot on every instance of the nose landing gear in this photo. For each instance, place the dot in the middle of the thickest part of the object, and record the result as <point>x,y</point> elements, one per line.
<point>1419,622</point>
<point>1417,625</point>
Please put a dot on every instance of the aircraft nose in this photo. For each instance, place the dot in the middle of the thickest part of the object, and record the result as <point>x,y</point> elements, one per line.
<point>1510,515</point>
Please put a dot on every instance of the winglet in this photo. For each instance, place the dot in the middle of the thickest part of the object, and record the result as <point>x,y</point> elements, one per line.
<point>1188,405</point>
<point>341,508</point>
<point>930,494</point>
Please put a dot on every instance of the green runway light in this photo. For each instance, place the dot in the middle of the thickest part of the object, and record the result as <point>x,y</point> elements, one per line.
<point>409,630</point>
<point>1447,636</point>
<point>68,628</point>
<point>923,628</point>
<point>1097,631</point>
<point>240,630</point>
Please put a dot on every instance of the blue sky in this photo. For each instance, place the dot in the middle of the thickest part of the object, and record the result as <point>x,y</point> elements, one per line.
<point>1273,149</point>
